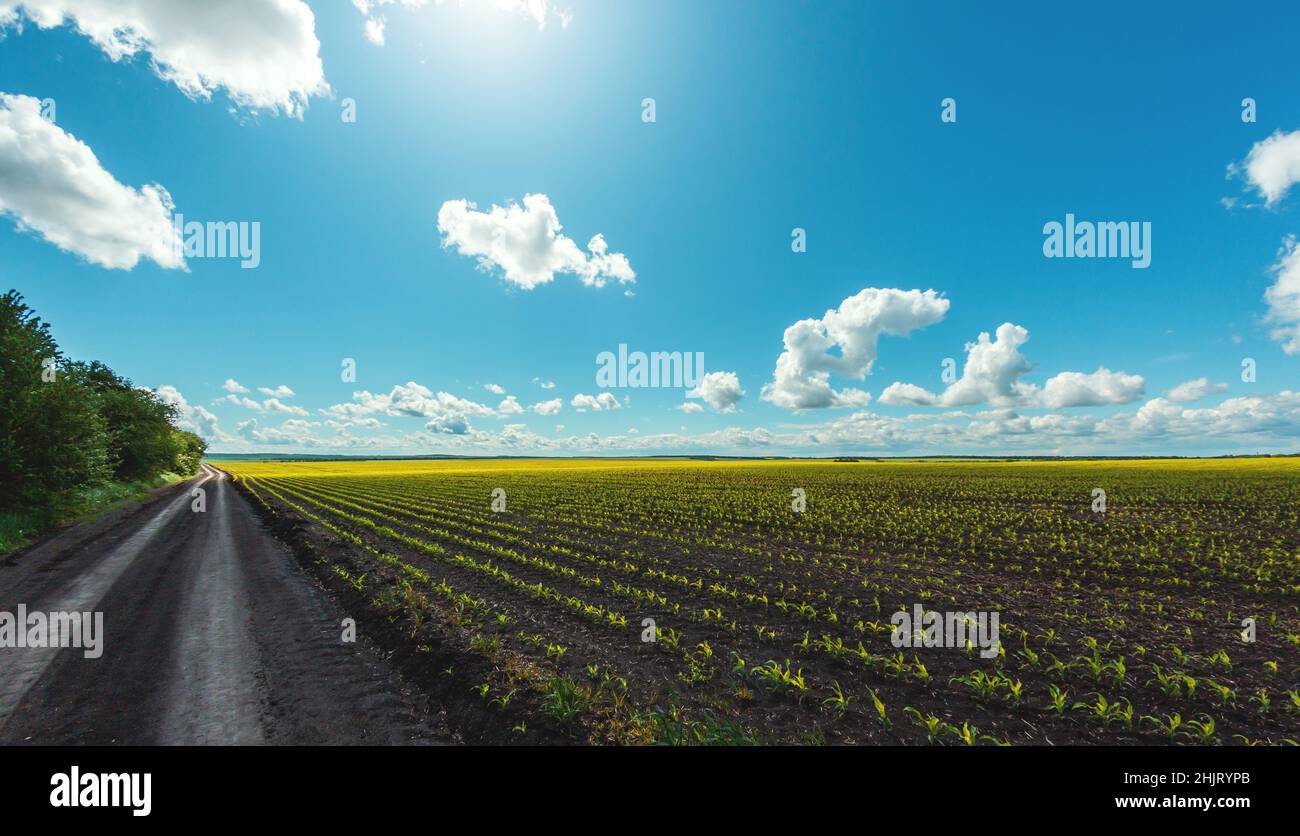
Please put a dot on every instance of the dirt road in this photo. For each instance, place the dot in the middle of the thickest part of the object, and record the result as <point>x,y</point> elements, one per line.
<point>212,634</point>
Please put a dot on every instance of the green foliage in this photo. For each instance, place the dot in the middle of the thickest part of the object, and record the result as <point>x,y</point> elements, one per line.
<point>563,699</point>
<point>67,429</point>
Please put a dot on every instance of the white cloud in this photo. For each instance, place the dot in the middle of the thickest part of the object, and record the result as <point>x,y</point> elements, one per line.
<point>1273,165</point>
<point>1283,297</point>
<point>274,405</point>
<point>1195,390</point>
<point>689,407</point>
<point>907,394</point>
<point>720,390</point>
<point>294,431</point>
<point>992,375</point>
<point>52,183</point>
<point>526,244</point>
<point>267,405</point>
<point>604,400</point>
<point>509,406</point>
<point>446,412</point>
<point>280,391</point>
<point>551,407</point>
<point>545,384</point>
<point>494,388</point>
<point>367,423</point>
<point>801,379</point>
<point>1238,418</point>
<point>263,53</point>
<point>1100,388</point>
<point>236,400</point>
<point>233,386</point>
<point>1268,423</point>
<point>992,371</point>
<point>191,417</point>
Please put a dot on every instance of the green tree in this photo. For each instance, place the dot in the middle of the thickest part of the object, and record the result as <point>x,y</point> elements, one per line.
<point>189,452</point>
<point>66,427</point>
<point>52,438</point>
<point>139,426</point>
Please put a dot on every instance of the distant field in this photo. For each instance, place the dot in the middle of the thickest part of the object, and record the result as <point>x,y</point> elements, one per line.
<point>774,625</point>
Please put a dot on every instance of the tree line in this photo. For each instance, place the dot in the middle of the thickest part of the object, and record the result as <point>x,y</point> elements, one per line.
<point>69,427</point>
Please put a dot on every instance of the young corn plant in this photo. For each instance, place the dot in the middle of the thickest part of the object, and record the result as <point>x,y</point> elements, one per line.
<point>1106,712</point>
<point>1058,700</point>
<point>838,700</point>
<point>1170,724</point>
<point>1170,683</point>
<point>777,678</point>
<point>879,705</point>
<point>1203,731</point>
<point>967,734</point>
<point>933,725</point>
<point>1225,694</point>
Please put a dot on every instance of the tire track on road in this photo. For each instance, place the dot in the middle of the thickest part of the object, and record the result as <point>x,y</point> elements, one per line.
<point>82,594</point>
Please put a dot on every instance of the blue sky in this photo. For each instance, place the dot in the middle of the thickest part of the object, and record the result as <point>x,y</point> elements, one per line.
<point>769,116</point>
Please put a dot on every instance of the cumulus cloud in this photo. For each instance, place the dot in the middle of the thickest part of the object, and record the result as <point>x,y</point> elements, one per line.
<point>907,394</point>
<point>266,405</point>
<point>720,390</point>
<point>545,384</point>
<point>52,184</point>
<point>445,412</point>
<point>494,388</point>
<point>509,406</point>
<point>1100,388</point>
<point>239,400</point>
<point>1273,165</point>
<point>280,391</point>
<point>1283,298</point>
<point>525,243</point>
<point>689,407</point>
<point>263,53</point>
<point>1278,415</point>
<point>191,417</point>
<point>294,431</point>
<point>274,405</point>
<point>1195,390</point>
<point>551,407</point>
<point>233,386</point>
<point>993,370</point>
<point>604,400</point>
<point>368,423</point>
<point>992,375</point>
<point>801,379</point>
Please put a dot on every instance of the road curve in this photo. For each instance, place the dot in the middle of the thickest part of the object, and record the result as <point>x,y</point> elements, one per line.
<point>212,634</point>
